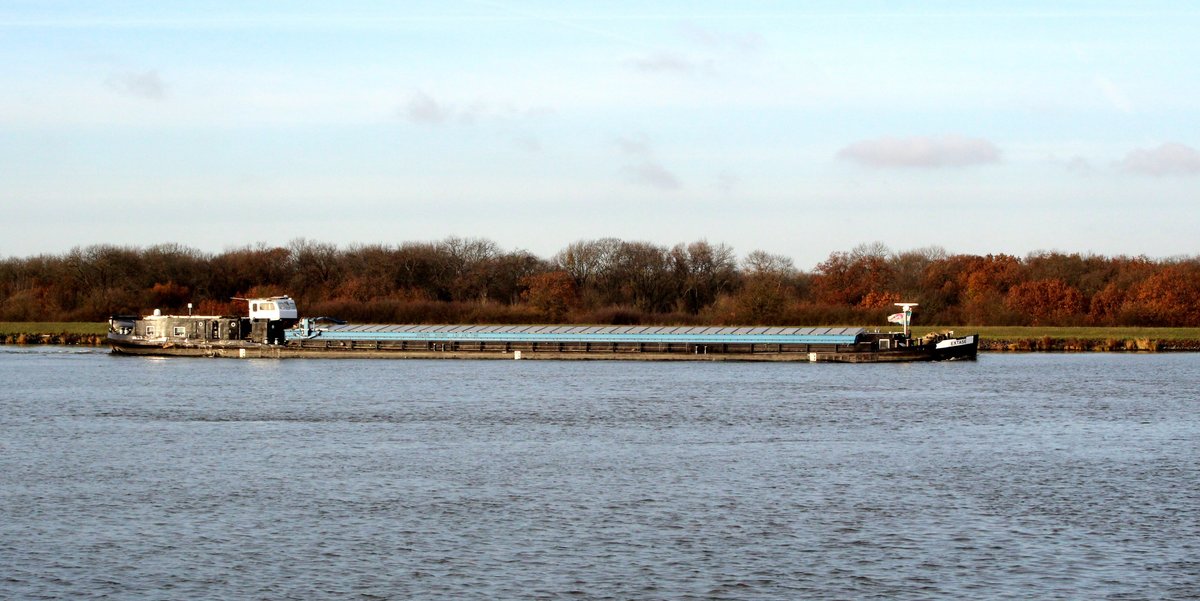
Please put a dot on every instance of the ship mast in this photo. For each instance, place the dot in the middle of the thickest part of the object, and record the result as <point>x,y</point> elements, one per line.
<point>907,309</point>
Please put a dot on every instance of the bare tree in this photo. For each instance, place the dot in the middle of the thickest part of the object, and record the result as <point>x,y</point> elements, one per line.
<point>587,260</point>
<point>469,261</point>
<point>761,262</point>
<point>315,268</point>
<point>704,271</point>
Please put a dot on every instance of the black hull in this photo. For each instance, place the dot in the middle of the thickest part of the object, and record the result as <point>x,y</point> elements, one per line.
<point>233,348</point>
<point>956,349</point>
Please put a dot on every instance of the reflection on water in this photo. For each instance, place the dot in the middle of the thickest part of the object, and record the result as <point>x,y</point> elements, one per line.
<point>1018,476</point>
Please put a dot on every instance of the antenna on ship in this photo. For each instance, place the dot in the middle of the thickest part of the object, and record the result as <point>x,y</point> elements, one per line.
<point>905,316</point>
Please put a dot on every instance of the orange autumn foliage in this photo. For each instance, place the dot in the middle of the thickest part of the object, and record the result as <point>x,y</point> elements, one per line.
<point>606,280</point>
<point>1044,302</point>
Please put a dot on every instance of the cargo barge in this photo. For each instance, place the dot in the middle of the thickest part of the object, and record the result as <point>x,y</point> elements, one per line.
<point>274,329</point>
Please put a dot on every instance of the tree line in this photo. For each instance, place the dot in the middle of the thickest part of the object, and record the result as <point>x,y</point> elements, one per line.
<point>605,281</point>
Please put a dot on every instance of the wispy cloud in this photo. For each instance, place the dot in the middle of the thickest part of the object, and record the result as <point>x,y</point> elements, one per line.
<point>637,144</point>
<point>1078,164</point>
<point>142,84</point>
<point>588,23</point>
<point>425,109</point>
<point>422,108</point>
<point>712,38</point>
<point>709,48</point>
<point>669,62</point>
<point>1171,158</point>
<point>653,174</point>
<point>926,151</point>
<point>1114,94</point>
<point>726,182</point>
<point>528,143</point>
<point>643,168</point>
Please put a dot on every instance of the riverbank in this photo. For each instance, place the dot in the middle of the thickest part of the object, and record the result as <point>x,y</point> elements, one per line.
<point>992,338</point>
<point>66,332</point>
<point>1084,345</point>
<point>1077,339</point>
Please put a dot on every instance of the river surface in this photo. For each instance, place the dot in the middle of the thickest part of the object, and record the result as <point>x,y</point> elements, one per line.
<point>1023,476</point>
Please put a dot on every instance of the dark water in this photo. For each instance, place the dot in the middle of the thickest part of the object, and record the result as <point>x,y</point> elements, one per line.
<point>1019,476</point>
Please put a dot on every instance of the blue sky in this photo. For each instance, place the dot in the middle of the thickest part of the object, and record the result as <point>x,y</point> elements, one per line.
<point>798,128</point>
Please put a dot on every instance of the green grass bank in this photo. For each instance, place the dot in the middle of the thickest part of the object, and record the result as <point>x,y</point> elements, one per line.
<point>49,332</point>
<point>1076,339</point>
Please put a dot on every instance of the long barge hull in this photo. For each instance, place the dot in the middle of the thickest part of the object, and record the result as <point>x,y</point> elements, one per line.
<point>845,345</point>
<point>273,329</point>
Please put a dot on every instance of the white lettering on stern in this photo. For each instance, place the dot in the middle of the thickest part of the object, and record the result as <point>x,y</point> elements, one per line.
<point>955,342</point>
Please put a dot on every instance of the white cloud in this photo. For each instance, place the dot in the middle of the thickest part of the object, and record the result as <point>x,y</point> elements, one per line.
<point>711,38</point>
<point>668,62</point>
<point>653,174</point>
<point>528,143</point>
<point>726,182</point>
<point>713,46</point>
<point>637,144</point>
<point>921,151</point>
<point>425,109</point>
<point>1115,96</point>
<point>642,167</point>
<point>1171,158</point>
<point>422,108</point>
<point>140,84</point>
<point>1078,164</point>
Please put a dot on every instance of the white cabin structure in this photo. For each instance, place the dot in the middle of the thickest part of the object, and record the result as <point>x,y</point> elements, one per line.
<point>273,308</point>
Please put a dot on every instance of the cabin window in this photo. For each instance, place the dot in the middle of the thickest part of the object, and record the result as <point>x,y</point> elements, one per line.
<point>179,331</point>
<point>267,307</point>
<point>253,306</point>
<point>885,344</point>
<point>149,331</point>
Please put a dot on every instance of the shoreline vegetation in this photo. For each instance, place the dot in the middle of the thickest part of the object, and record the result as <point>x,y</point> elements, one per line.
<point>80,333</point>
<point>1078,339</point>
<point>607,281</point>
<point>994,338</point>
<point>1045,301</point>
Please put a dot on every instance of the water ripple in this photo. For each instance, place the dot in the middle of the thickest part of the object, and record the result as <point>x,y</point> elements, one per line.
<point>1021,476</point>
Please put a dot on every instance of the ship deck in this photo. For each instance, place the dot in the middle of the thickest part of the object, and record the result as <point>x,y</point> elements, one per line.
<point>530,334</point>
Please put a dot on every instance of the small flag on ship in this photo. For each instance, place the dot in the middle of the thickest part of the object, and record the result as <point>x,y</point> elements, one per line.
<point>896,318</point>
